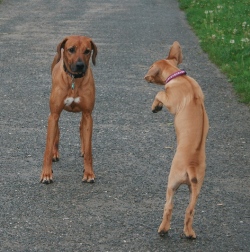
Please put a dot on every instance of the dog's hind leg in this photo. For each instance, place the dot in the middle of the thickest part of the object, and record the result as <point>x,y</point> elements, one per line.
<point>167,214</point>
<point>175,179</point>
<point>194,188</point>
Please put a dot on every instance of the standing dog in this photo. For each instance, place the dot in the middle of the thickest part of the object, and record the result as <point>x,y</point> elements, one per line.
<point>73,90</point>
<point>183,97</point>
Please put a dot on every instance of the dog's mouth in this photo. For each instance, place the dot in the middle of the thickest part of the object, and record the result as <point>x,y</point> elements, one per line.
<point>79,68</point>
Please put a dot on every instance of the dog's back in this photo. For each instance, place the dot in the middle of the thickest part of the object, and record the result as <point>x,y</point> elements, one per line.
<point>186,101</point>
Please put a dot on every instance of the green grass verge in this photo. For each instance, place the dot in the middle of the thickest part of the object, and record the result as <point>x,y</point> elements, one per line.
<point>223,28</point>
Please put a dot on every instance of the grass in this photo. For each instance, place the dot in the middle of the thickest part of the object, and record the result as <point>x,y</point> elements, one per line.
<point>223,28</point>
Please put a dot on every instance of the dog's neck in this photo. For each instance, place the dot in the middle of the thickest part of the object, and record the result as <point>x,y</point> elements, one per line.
<point>174,75</point>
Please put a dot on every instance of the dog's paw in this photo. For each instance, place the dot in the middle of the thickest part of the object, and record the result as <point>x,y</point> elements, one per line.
<point>46,181</point>
<point>157,109</point>
<point>162,233</point>
<point>190,236</point>
<point>163,228</point>
<point>55,159</point>
<point>46,177</point>
<point>91,181</point>
<point>88,178</point>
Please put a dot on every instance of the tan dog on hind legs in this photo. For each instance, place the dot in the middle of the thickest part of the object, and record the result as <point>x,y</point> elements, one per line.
<point>73,90</point>
<point>183,97</point>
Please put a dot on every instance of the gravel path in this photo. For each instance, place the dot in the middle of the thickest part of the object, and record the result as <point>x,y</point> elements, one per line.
<point>133,148</point>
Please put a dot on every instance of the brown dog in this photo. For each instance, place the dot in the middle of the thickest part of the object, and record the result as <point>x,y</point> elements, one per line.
<point>183,97</point>
<point>73,90</point>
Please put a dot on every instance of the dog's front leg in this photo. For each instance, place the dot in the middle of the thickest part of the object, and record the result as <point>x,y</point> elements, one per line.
<point>55,157</point>
<point>158,102</point>
<point>46,176</point>
<point>86,135</point>
<point>81,137</point>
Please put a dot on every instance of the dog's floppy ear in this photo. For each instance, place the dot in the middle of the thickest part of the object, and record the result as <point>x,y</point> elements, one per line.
<point>57,57</point>
<point>175,53</point>
<point>152,73</point>
<point>61,46</point>
<point>94,49</point>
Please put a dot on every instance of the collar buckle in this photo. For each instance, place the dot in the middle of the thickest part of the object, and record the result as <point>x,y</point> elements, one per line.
<point>73,83</point>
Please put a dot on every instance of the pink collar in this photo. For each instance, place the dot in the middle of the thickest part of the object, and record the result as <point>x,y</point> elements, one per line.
<point>174,75</point>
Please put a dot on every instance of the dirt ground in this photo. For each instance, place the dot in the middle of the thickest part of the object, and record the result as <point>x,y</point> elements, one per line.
<point>133,148</point>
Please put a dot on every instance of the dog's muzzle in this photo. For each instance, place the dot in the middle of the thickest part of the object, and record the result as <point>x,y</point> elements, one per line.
<point>79,67</point>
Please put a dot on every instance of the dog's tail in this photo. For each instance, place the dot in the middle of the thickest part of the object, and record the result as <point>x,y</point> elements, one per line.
<point>193,174</point>
<point>203,133</point>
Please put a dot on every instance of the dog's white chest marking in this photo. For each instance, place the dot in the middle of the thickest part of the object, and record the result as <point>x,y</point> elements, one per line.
<point>69,100</point>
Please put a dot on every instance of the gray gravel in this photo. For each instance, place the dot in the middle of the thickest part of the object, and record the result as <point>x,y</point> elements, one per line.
<point>133,148</point>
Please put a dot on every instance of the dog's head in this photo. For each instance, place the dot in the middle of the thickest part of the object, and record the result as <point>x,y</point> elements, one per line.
<point>173,59</point>
<point>77,51</point>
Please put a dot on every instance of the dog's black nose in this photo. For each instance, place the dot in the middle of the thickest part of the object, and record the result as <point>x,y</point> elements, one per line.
<point>80,66</point>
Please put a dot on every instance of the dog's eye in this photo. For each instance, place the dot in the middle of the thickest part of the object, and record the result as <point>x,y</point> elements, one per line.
<point>72,50</point>
<point>87,51</point>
